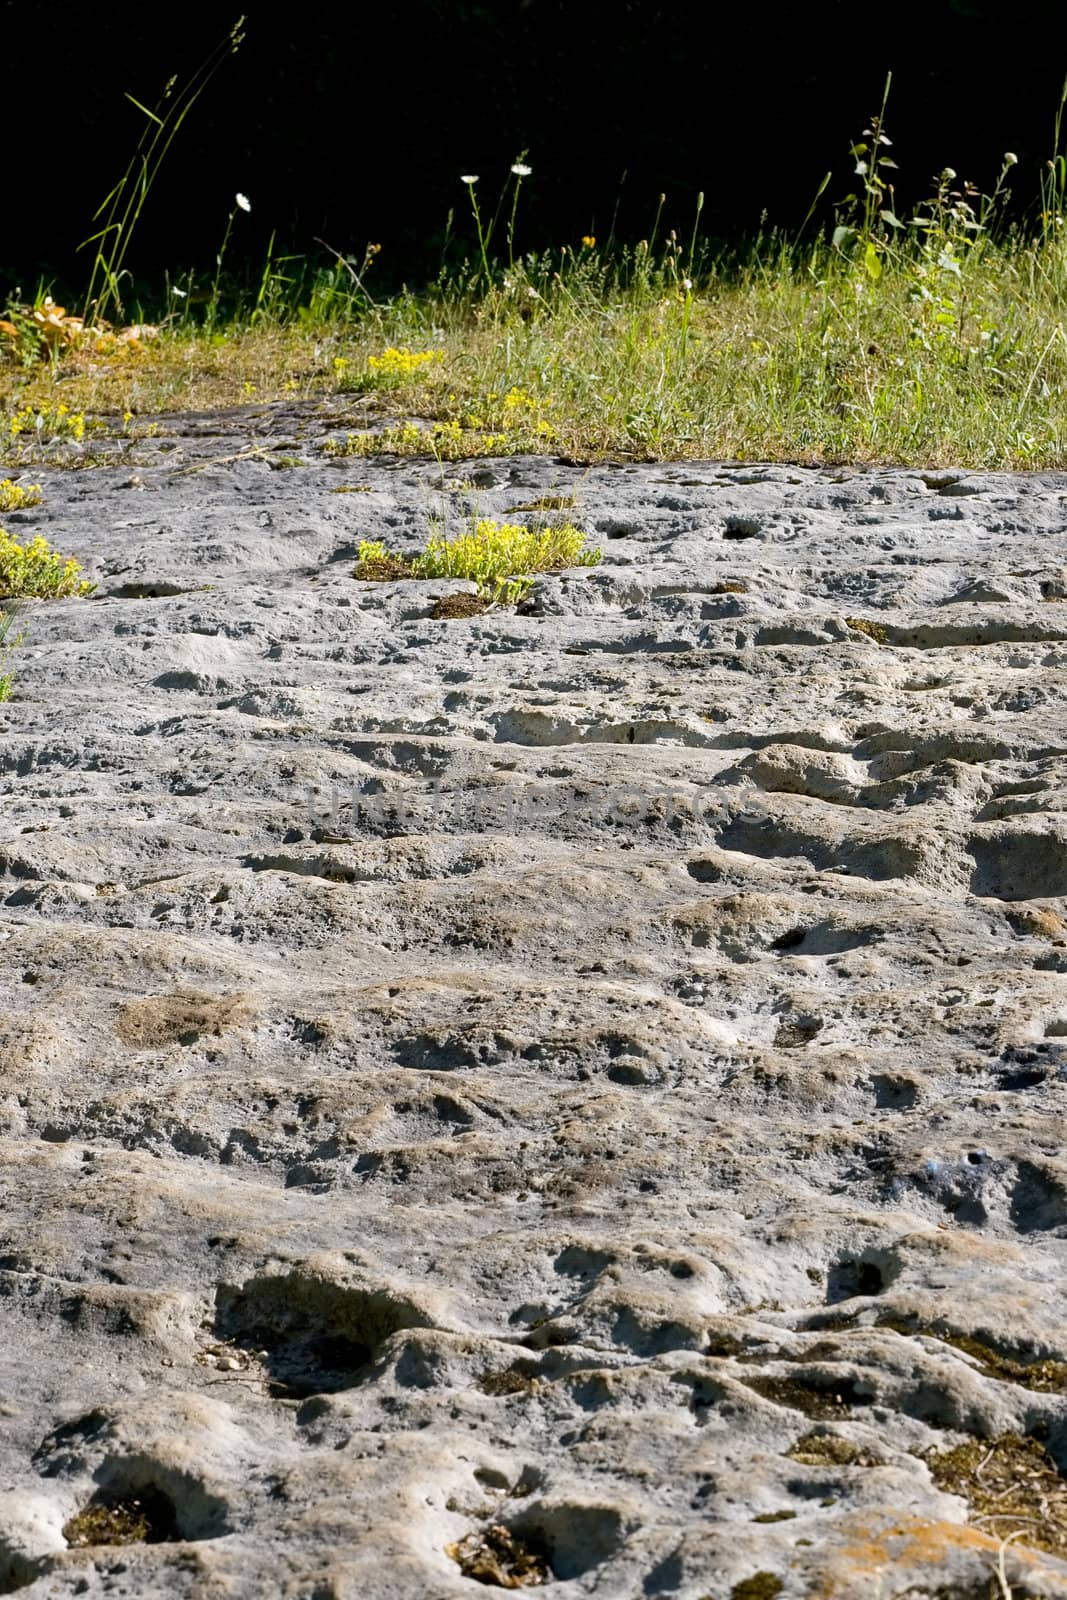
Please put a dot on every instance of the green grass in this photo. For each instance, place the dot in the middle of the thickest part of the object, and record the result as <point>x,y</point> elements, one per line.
<point>927,335</point>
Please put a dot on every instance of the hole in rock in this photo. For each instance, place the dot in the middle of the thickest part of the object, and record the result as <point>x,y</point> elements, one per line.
<point>501,1558</point>
<point>1038,1200</point>
<point>318,1336</point>
<point>150,1501</point>
<point>146,1517</point>
<point>850,1277</point>
<point>1018,865</point>
<point>794,1033</point>
<point>818,1395</point>
<point>145,591</point>
<point>1023,1078</point>
<point>894,1092</point>
<point>573,1538</point>
<point>704,871</point>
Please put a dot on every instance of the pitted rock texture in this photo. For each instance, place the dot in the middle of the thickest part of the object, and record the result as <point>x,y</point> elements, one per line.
<point>569,1096</point>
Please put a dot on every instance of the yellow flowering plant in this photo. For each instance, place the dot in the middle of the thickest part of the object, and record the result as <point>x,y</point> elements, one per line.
<point>498,556</point>
<point>36,571</point>
<point>17,496</point>
<point>48,422</point>
<point>397,367</point>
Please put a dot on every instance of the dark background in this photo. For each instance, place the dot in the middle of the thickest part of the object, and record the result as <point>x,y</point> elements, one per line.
<point>353,122</point>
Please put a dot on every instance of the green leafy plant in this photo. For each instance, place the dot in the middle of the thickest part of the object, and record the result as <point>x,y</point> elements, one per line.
<point>7,644</point>
<point>36,571</point>
<point>498,556</point>
<point>873,219</point>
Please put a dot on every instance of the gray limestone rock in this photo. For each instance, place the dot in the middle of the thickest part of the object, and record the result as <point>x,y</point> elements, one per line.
<point>567,1096</point>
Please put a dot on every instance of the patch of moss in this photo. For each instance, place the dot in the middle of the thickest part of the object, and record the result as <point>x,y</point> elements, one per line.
<point>519,1379</point>
<point>723,1344</point>
<point>815,1397</point>
<point>775,1516</point>
<point>382,568</point>
<point>795,1032</point>
<point>1012,1487</point>
<point>452,606</point>
<point>761,1586</point>
<point>499,1557</point>
<point>1045,1377</point>
<point>827,1450</point>
<point>730,588</point>
<point>145,1518</point>
<point>873,630</point>
<point>547,502</point>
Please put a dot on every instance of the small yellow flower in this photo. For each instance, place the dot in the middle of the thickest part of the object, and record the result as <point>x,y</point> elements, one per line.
<point>400,364</point>
<point>589,240</point>
<point>47,423</point>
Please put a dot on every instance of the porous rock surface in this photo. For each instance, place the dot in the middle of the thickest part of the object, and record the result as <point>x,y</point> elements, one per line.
<point>538,1071</point>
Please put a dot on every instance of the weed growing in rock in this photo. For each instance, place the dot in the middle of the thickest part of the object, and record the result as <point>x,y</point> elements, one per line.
<point>498,556</point>
<point>513,425</point>
<point>1046,1376</point>
<point>445,440</point>
<point>7,644</point>
<point>17,496</point>
<point>494,552</point>
<point>827,1450</point>
<point>36,571</point>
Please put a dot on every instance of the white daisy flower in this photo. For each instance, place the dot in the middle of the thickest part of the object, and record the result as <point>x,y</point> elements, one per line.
<point>520,170</point>
<point>243,202</point>
<point>469,178</point>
